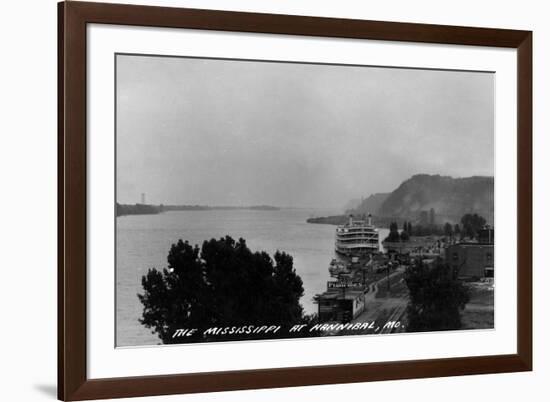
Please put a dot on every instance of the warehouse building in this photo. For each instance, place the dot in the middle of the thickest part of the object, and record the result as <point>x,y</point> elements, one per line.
<point>471,260</point>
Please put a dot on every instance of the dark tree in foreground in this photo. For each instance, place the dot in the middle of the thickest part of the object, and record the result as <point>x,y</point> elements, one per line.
<point>435,298</point>
<point>221,284</point>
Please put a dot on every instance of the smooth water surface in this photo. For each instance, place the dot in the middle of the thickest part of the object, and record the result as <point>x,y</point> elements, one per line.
<point>143,242</point>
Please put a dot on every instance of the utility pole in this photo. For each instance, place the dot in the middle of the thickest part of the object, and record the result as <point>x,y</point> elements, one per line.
<point>388,266</point>
<point>388,276</point>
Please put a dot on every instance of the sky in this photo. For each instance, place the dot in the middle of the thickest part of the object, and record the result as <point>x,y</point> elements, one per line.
<point>233,132</point>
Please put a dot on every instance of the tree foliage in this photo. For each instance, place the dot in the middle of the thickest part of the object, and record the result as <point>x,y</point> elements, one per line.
<point>393,236</point>
<point>456,230</point>
<point>448,229</point>
<point>426,230</point>
<point>221,284</point>
<point>435,298</point>
<point>471,224</point>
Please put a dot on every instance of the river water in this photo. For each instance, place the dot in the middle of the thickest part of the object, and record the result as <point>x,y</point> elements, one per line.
<point>143,242</point>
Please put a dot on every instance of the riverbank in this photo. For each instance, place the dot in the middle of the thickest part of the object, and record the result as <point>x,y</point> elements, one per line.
<point>329,220</point>
<point>136,209</point>
<point>148,209</point>
<point>378,221</point>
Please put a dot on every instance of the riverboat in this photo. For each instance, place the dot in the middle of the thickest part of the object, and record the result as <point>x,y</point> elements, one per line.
<point>357,238</point>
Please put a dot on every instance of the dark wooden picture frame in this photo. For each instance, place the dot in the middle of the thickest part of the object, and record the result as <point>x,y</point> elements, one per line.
<point>73,383</point>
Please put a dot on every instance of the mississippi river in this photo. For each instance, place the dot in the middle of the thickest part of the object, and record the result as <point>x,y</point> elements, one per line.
<point>143,242</point>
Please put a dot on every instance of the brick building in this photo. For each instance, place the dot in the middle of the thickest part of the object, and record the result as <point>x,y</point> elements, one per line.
<point>471,260</point>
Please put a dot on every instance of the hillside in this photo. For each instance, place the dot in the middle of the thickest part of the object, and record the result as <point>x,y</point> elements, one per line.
<point>369,205</point>
<point>450,198</point>
<point>352,204</point>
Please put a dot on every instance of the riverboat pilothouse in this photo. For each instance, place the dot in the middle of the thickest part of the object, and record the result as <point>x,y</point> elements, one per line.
<point>357,237</point>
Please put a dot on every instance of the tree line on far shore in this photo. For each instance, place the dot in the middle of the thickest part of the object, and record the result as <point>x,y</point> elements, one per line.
<point>470,225</point>
<point>136,209</point>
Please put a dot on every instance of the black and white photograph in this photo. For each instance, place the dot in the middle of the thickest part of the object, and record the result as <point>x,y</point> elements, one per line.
<point>244,201</point>
<point>261,200</point>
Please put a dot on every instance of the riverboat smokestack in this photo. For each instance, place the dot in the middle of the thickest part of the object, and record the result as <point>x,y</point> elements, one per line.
<point>369,220</point>
<point>350,221</point>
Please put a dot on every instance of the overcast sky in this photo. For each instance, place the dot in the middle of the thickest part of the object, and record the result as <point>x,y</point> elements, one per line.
<point>222,132</point>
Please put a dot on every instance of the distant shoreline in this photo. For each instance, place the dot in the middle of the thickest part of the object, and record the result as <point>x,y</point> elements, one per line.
<point>329,220</point>
<point>218,207</point>
<point>147,209</point>
<point>380,222</point>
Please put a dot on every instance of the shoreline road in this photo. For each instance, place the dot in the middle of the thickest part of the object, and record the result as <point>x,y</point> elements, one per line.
<point>385,310</point>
